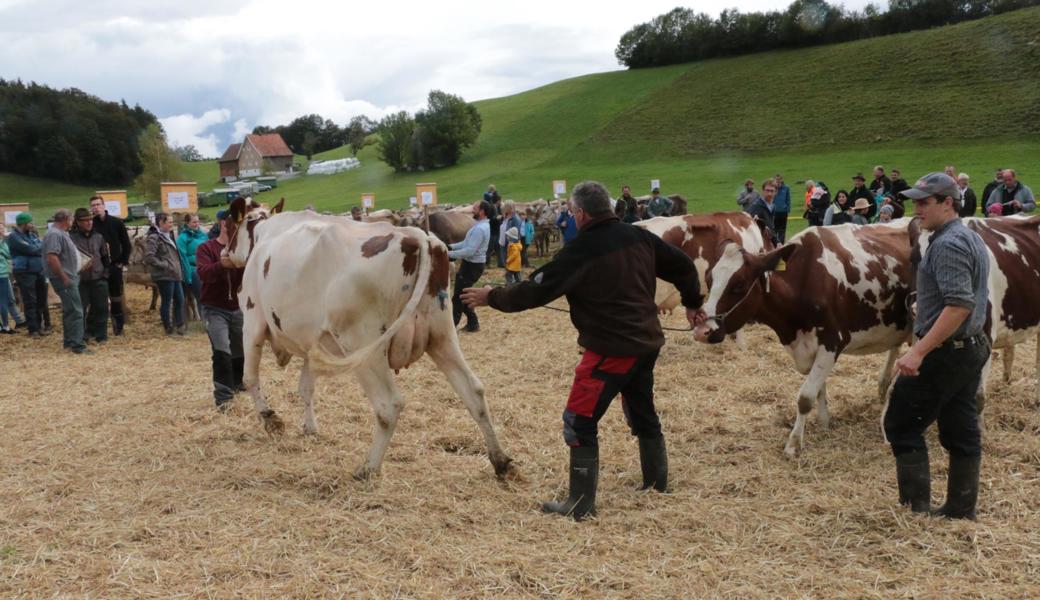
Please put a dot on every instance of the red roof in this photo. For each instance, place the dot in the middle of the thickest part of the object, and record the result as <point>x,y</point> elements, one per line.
<point>231,153</point>
<point>270,144</point>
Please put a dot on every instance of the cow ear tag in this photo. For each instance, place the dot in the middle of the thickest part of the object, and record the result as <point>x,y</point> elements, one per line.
<point>781,266</point>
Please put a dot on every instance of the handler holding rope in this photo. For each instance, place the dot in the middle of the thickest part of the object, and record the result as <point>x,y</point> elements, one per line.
<point>608,276</point>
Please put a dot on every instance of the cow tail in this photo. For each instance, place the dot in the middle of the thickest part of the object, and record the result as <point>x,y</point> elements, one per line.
<point>353,360</point>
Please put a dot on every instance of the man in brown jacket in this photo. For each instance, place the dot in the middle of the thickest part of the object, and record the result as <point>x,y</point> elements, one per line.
<point>608,274</point>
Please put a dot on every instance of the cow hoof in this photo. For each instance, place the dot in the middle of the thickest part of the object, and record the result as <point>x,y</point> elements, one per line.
<point>505,468</point>
<point>792,452</point>
<point>364,473</point>
<point>312,430</point>
<point>273,424</point>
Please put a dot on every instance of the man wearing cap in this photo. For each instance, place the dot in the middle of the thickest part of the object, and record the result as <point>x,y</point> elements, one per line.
<point>939,375</point>
<point>93,281</point>
<point>1012,195</point>
<point>119,249</point>
<point>859,190</point>
<point>27,255</point>
<point>61,265</point>
<point>214,231</point>
<point>658,206</point>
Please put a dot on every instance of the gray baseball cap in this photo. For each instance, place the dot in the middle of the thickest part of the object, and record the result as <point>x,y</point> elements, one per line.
<point>933,184</point>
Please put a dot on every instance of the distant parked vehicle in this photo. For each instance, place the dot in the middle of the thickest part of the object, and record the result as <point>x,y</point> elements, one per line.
<point>260,187</point>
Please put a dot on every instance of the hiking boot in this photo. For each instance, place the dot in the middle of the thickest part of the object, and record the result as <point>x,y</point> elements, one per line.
<point>81,350</point>
<point>584,475</point>
<point>653,459</point>
<point>168,329</point>
<point>913,475</point>
<point>962,488</point>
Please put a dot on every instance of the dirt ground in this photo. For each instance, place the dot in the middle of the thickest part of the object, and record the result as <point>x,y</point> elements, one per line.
<point>118,478</point>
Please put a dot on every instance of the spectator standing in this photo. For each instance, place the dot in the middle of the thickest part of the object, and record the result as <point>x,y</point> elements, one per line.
<point>810,185</point>
<point>494,215</point>
<point>896,203</point>
<point>761,210</point>
<point>898,185</point>
<point>881,185</point>
<point>473,253</point>
<point>1012,195</point>
<point>93,281</point>
<point>781,207</point>
<point>748,195</point>
<point>951,171</point>
<point>219,301</point>
<point>859,211</point>
<point>513,260</point>
<point>819,202</point>
<point>527,236</point>
<point>119,249</point>
<point>631,206</point>
<point>658,206</point>
<point>567,225</point>
<point>61,265</point>
<point>27,266</point>
<point>6,293</point>
<point>163,261</point>
<point>885,213</point>
<point>840,212</point>
<point>188,242</point>
<point>859,190</point>
<point>968,200</point>
<point>998,180</point>
<point>510,220</point>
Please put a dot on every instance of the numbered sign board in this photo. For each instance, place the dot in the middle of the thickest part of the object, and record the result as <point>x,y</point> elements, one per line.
<point>655,184</point>
<point>115,202</point>
<point>10,213</point>
<point>559,187</point>
<point>179,196</point>
<point>426,193</point>
<point>368,201</point>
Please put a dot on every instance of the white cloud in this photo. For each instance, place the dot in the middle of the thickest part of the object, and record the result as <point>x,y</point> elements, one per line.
<point>185,129</point>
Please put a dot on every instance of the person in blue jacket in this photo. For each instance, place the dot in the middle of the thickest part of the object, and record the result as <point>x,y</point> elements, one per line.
<point>781,208</point>
<point>567,225</point>
<point>27,258</point>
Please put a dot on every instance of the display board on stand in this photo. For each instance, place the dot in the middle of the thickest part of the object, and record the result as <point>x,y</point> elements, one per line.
<point>10,212</point>
<point>179,196</point>
<point>115,202</point>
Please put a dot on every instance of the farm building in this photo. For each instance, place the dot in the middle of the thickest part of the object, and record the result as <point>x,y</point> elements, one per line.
<point>247,158</point>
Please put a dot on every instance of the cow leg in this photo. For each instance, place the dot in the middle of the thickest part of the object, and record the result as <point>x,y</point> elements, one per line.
<point>807,396</point>
<point>448,357</point>
<point>741,339</point>
<point>885,380</point>
<point>386,402</point>
<point>1037,383</point>
<point>823,413</point>
<point>310,426</point>
<point>254,334</point>
<point>1009,362</point>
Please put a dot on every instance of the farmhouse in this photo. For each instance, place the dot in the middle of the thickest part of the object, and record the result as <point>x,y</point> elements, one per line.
<point>247,159</point>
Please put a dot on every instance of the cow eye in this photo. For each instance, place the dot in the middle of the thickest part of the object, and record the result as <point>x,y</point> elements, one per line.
<point>737,290</point>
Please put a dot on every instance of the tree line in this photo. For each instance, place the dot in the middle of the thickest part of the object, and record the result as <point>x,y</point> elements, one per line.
<point>682,35</point>
<point>69,135</point>
<point>311,134</point>
<point>435,137</point>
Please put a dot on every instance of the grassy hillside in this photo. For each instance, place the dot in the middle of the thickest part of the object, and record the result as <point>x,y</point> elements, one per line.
<point>967,95</point>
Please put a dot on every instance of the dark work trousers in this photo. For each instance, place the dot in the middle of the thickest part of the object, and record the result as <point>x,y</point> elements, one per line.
<point>467,276</point>
<point>33,288</point>
<point>523,255</point>
<point>597,379</point>
<point>115,298</point>
<point>780,226</point>
<point>93,293</point>
<point>943,391</point>
<point>225,338</point>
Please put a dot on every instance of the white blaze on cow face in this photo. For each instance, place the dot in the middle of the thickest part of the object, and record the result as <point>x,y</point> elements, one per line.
<point>731,261</point>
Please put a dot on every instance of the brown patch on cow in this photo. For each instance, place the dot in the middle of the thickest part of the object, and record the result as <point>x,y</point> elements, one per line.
<point>439,270</point>
<point>375,245</point>
<point>249,303</point>
<point>410,248</point>
<point>277,321</point>
<point>267,266</point>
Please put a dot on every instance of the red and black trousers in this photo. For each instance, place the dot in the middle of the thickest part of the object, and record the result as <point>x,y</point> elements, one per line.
<point>597,380</point>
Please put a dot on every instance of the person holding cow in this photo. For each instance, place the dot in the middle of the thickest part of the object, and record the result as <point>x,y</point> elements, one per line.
<point>163,260</point>
<point>617,324</point>
<point>119,250</point>
<point>472,252</point>
<point>940,374</point>
<point>93,281</point>
<point>220,282</point>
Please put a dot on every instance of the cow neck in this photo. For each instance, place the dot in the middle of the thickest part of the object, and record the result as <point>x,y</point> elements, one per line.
<point>780,309</point>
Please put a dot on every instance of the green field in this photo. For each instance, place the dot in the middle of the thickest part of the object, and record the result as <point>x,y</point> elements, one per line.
<point>967,95</point>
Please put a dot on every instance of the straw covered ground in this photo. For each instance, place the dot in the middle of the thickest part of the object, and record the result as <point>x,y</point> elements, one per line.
<point>119,479</point>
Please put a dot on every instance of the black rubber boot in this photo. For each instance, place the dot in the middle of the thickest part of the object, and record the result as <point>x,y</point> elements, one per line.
<point>914,477</point>
<point>237,367</point>
<point>962,489</point>
<point>584,476</point>
<point>118,319</point>
<point>653,458</point>
<point>223,379</point>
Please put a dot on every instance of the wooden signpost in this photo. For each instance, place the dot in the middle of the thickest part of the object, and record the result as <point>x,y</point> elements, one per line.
<point>559,187</point>
<point>10,212</point>
<point>427,195</point>
<point>115,203</point>
<point>179,196</point>
<point>368,202</point>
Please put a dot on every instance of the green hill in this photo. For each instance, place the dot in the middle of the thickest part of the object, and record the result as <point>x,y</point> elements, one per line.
<point>967,95</point>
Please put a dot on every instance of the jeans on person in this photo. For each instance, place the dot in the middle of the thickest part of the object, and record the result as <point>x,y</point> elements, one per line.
<point>94,295</point>
<point>13,306</point>
<point>780,226</point>
<point>196,289</point>
<point>71,313</point>
<point>171,292</point>
<point>513,277</point>
<point>224,328</point>
<point>468,275</point>
<point>33,288</point>
<point>5,300</point>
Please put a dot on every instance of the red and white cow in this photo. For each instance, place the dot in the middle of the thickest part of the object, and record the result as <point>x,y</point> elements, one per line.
<point>348,296</point>
<point>843,291</point>
<point>1014,285</point>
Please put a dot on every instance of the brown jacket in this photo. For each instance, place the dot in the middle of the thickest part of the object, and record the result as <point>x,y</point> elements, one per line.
<point>608,274</point>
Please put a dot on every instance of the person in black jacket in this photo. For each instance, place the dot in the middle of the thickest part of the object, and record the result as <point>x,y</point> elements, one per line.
<point>968,200</point>
<point>881,184</point>
<point>761,210</point>
<point>860,191</point>
<point>608,275</point>
<point>898,183</point>
<point>119,249</point>
<point>986,191</point>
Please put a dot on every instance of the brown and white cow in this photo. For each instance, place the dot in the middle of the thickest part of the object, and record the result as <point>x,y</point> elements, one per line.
<point>347,296</point>
<point>843,291</point>
<point>450,226</point>
<point>1014,285</point>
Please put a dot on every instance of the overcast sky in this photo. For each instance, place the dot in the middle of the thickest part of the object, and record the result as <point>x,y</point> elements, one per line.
<point>213,69</point>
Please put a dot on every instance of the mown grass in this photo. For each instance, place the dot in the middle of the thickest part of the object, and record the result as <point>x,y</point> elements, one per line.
<point>967,95</point>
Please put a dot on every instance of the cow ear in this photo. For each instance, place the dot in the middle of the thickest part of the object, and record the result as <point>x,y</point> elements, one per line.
<point>730,249</point>
<point>278,207</point>
<point>238,209</point>
<point>772,259</point>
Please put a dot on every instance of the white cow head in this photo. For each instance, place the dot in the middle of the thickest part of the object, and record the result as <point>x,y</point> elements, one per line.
<point>243,217</point>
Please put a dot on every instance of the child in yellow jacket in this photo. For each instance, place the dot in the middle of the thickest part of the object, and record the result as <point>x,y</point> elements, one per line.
<point>513,256</point>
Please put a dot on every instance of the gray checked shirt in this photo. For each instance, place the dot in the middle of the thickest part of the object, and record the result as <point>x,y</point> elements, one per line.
<point>953,272</point>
